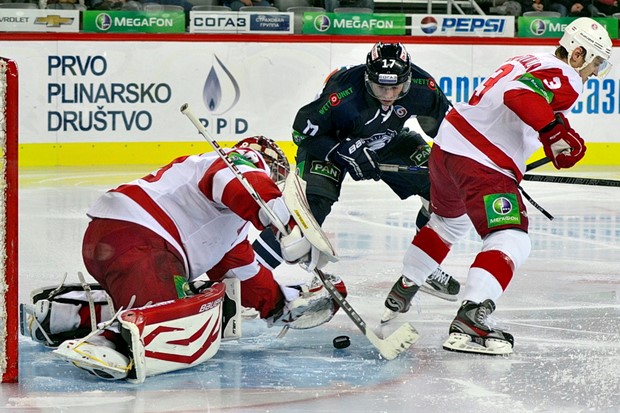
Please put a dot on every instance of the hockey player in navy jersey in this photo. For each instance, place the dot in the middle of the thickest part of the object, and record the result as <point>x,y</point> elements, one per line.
<point>357,123</point>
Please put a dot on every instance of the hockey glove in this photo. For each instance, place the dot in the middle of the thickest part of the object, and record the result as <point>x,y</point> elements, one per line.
<point>359,160</point>
<point>295,247</point>
<point>561,143</point>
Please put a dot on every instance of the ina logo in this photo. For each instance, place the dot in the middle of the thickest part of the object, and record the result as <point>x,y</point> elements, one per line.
<point>538,27</point>
<point>322,23</point>
<point>428,25</point>
<point>502,206</point>
<point>103,22</point>
<point>218,80</point>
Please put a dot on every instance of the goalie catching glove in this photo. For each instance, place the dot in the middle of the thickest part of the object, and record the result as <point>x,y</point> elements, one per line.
<point>359,160</point>
<point>561,143</point>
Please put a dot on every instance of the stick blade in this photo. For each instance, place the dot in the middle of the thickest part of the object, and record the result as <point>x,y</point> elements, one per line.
<point>397,342</point>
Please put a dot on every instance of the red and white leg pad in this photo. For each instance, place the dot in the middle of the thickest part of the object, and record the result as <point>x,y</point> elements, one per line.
<point>174,335</point>
<point>163,337</point>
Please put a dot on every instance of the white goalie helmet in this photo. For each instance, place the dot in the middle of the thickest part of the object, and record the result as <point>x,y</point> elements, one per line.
<point>593,37</point>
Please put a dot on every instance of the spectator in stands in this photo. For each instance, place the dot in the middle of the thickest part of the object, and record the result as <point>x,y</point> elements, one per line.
<point>235,5</point>
<point>107,5</point>
<point>604,7</point>
<point>544,5</point>
<point>508,8</point>
<point>187,5</point>
<point>574,8</point>
<point>331,5</point>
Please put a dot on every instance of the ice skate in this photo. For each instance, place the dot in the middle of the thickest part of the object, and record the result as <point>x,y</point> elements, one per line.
<point>470,333</point>
<point>313,307</point>
<point>442,285</point>
<point>99,360</point>
<point>52,316</point>
<point>399,299</point>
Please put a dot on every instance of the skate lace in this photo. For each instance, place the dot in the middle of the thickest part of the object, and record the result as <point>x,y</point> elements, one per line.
<point>481,315</point>
<point>440,276</point>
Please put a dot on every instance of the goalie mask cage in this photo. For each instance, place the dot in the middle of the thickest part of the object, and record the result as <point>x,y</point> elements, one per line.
<point>8,227</point>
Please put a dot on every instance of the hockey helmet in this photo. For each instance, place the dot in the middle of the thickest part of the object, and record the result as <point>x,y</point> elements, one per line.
<point>593,37</point>
<point>388,65</point>
<point>272,154</point>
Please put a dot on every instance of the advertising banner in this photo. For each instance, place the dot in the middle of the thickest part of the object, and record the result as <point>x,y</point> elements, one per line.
<point>125,91</point>
<point>133,21</point>
<point>29,20</point>
<point>234,22</point>
<point>554,26</point>
<point>354,24</point>
<point>461,25</point>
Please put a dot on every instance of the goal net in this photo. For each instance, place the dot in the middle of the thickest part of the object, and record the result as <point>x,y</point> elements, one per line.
<point>8,221</point>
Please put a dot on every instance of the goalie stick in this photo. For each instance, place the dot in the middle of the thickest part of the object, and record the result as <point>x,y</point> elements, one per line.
<point>389,347</point>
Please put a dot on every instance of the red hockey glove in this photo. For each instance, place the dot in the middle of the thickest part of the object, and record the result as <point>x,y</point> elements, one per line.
<point>561,143</point>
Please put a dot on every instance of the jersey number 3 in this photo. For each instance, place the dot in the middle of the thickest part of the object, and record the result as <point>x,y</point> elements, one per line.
<point>489,83</point>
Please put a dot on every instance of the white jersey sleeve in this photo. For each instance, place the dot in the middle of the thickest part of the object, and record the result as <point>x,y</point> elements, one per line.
<point>486,130</point>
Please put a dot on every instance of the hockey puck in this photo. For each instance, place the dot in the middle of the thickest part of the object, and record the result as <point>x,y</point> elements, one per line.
<point>342,342</point>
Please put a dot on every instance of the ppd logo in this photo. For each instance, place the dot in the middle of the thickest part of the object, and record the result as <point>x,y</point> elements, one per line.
<point>538,27</point>
<point>502,206</point>
<point>428,25</point>
<point>218,80</point>
<point>472,25</point>
<point>220,94</point>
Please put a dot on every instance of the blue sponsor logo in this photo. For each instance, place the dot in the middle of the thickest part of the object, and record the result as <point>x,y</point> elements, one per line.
<point>270,22</point>
<point>472,25</point>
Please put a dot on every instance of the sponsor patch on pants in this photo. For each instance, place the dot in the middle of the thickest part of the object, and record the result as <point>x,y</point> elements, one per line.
<point>502,209</point>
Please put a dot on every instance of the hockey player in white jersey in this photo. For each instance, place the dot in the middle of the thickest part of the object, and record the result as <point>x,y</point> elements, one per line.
<point>476,164</point>
<point>150,245</point>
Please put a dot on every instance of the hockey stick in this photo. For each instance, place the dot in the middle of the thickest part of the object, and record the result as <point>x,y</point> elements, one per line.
<point>389,347</point>
<point>565,179</point>
<point>386,167</point>
<point>571,180</point>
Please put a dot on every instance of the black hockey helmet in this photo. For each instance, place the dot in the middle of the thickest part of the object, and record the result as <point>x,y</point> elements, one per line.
<point>388,64</point>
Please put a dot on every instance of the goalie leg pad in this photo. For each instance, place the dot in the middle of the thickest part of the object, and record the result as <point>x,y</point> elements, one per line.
<point>174,335</point>
<point>232,312</point>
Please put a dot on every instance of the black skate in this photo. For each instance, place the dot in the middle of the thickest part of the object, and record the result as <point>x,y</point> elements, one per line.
<point>442,285</point>
<point>469,332</point>
<point>399,299</point>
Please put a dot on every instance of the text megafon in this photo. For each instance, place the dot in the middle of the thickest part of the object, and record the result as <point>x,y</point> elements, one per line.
<point>472,25</point>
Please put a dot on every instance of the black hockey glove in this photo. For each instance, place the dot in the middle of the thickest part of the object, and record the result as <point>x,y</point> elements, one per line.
<point>359,160</point>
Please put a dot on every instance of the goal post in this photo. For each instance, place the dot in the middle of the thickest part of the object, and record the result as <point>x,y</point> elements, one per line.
<point>9,319</point>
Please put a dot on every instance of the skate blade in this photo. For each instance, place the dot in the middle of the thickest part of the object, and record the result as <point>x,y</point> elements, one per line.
<point>463,343</point>
<point>432,291</point>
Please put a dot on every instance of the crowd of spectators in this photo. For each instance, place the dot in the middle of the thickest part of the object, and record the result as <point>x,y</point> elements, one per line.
<point>565,8</point>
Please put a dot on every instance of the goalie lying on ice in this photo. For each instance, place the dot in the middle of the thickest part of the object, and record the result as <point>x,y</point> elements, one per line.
<point>148,240</point>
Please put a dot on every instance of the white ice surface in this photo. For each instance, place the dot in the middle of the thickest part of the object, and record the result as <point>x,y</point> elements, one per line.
<point>563,308</point>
